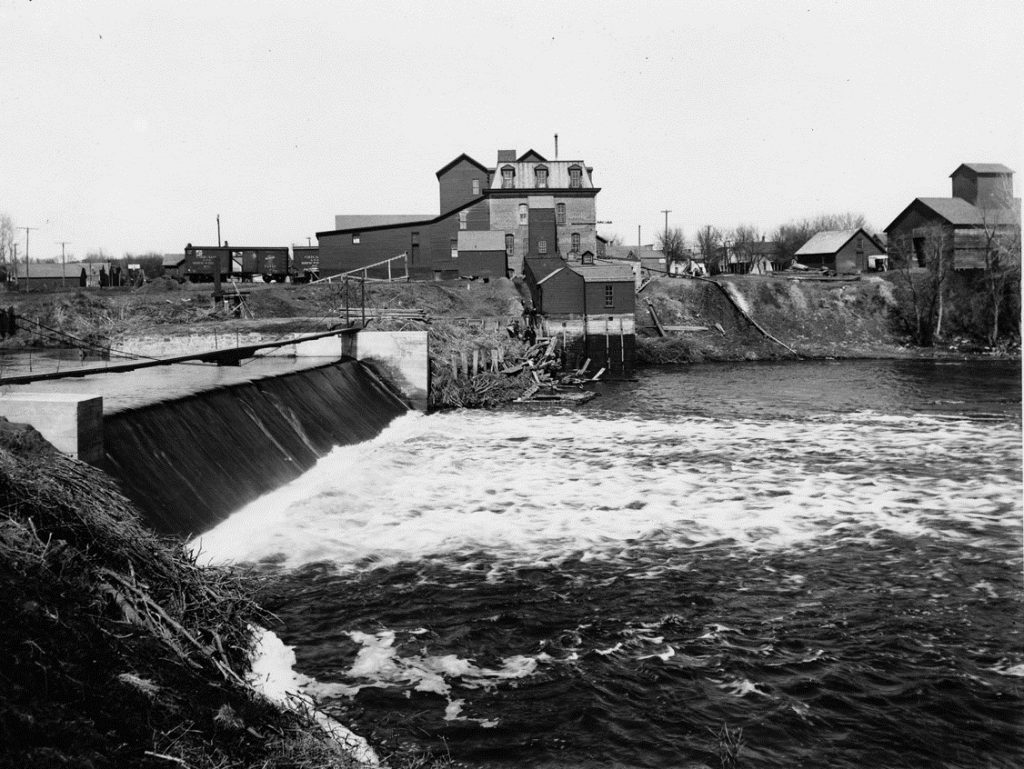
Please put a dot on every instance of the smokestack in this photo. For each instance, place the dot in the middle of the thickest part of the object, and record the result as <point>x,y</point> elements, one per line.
<point>556,146</point>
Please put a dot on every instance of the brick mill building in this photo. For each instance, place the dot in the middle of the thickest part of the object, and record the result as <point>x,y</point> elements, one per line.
<point>490,220</point>
<point>982,207</point>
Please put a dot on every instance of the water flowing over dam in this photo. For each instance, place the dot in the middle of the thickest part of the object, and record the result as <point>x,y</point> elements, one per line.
<point>190,462</point>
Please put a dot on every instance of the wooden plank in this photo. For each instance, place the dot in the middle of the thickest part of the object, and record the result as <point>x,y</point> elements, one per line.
<point>654,317</point>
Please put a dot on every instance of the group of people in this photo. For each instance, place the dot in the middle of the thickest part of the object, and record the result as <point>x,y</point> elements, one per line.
<point>525,331</point>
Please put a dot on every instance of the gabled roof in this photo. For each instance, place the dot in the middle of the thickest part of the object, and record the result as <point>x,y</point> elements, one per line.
<point>984,168</point>
<point>830,241</point>
<point>543,268</point>
<point>604,272</point>
<point>532,156</point>
<point>173,260</point>
<point>481,240</point>
<point>459,159</point>
<point>959,213</point>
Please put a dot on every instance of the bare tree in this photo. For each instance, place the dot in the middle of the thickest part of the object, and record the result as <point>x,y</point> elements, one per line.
<point>709,243</point>
<point>673,246</point>
<point>922,266</point>
<point>6,239</point>
<point>1001,242</point>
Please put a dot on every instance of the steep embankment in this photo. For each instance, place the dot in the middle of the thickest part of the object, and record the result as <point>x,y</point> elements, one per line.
<point>117,649</point>
<point>850,318</point>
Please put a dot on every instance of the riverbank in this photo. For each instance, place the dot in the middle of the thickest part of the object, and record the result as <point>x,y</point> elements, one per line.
<point>119,650</point>
<point>744,317</point>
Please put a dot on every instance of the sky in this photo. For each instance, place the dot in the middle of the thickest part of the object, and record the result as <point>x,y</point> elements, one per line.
<point>130,126</point>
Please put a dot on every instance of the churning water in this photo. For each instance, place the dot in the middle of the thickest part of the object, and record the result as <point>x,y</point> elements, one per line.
<point>827,556</point>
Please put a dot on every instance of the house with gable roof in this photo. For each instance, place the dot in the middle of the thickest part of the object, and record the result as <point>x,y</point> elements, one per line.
<point>982,206</point>
<point>844,251</point>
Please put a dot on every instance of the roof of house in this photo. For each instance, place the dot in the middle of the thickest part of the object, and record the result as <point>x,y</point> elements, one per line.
<point>459,159</point>
<point>532,154</point>
<point>49,270</point>
<point>543,268</point>
<point>603,272</point>
<point>173,260</point>
<point>985,168</point>
<point>830,241</point>
<point>481,240</point>
<point>355,221</point>
<point>558,174</point>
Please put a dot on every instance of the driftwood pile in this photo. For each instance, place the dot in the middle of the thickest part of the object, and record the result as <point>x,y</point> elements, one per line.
<point>513,372</point>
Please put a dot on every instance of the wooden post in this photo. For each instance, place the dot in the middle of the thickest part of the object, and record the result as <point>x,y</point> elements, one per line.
<point>494,360</point>
<point>464,362</point>
<point>622,347</point>
<point>476,362</point>
<point>607,351</point>
<point>455,367</point>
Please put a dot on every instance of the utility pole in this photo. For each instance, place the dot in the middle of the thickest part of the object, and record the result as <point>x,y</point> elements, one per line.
<point>309,241</point>
<point>63,262</point>
<point>666,211</point>
<point>218,230</point>
<point>664,242</point>
<point>638,242</point>
<point>26,253</point>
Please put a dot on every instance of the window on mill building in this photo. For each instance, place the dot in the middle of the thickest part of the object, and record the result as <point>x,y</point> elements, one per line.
<point>523,213</point>
<point>575,240</point>
<point>463,219</point>
<point>476,186</point>
<point>560,213</point>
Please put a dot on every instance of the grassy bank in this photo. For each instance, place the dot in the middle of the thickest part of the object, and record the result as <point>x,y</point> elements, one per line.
<point>118,649</point>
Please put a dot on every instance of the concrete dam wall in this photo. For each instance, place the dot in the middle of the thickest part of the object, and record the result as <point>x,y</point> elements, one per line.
<point>189,463</point>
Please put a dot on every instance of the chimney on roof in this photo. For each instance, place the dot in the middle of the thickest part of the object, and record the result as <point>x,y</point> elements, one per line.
<point>506,156</point>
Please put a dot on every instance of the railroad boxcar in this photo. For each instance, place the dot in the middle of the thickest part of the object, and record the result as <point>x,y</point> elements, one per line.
<point>305,263</point>
<point>236,262</point>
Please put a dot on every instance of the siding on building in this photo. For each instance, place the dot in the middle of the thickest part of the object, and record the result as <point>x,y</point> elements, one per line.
<point>455,182</point>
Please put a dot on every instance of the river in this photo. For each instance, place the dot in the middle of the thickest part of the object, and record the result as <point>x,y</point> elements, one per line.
<point>821,561</point>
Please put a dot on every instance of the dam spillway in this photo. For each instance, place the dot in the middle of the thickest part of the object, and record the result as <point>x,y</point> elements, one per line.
<point>188,463</point>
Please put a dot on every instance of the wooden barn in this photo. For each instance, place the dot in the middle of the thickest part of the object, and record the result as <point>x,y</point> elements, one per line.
<point>844,251</point>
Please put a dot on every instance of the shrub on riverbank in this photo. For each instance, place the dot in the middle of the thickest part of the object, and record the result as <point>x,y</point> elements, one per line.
<point>118,649</point>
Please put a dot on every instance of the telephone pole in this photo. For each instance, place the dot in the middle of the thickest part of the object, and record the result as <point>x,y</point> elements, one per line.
<point>26,253</point>
<point>63,262</point>
<point>666,211</point>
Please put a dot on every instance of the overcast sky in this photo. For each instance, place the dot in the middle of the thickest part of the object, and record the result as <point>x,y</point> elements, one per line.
<point>129,126</point>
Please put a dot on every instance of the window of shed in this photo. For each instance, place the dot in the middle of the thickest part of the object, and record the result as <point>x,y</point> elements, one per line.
<point>507,174</point>
<point>476,186</point>
<point>575,176</point>
<point>540,176</point>
<point>523,213</point>
<point>355,238</point>
<point>463,219</point>
<point>609,295</point>
<point>560,213</point>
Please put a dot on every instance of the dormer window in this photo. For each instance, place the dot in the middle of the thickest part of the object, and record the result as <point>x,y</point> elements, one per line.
<point>540,174</point>
<point>575,177</point>
<point>508,174</point>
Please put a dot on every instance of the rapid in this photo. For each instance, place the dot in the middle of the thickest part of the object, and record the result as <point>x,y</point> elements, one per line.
<point>824,555</point>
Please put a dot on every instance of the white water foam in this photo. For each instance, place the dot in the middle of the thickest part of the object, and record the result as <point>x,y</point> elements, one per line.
<point>525,489</point>
<point>272,674</point>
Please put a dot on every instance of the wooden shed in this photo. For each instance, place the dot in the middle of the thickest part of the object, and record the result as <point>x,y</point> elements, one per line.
<point>840,250</point>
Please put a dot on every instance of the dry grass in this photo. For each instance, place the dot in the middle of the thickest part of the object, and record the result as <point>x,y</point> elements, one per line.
<point>118,649</point>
